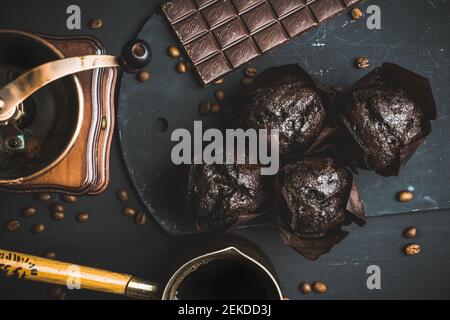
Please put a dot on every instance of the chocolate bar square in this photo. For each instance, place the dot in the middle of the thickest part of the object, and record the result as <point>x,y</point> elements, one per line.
<point>221,35</point>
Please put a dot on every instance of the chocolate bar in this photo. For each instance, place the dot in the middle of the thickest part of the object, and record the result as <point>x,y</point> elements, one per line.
<point>221,35</point>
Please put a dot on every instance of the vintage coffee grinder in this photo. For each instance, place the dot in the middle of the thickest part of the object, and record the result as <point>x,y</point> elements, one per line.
<point>57,100</point>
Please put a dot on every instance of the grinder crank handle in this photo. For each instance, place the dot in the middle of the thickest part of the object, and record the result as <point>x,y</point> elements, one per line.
<point>26,267</point>
<point>15,92</point>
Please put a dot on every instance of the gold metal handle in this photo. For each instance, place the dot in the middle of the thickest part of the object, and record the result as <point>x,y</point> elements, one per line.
<point>26,267</point>
<point>15,92</point>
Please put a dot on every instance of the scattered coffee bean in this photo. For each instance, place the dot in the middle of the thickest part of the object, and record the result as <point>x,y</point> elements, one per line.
<point>362,63</point>
<point>357,13</point>
<point>12,225</point>
<point>141,218</point>
<point>57,207</point>
<point>181,67</point>
<point>412,249</point>
<point>44,196</point>
<point>122,195</point>
<point>410,232</point>
<point>58,215</point>
<point>220,95</point>
<point>38,228</point>
<point>82,217</point>
<point>104,124</point>
<point>219,81</point>
<point>319,287</point>
<point>62,296</point>
<point>305,288</point>
<point>129,211</point>
<point>405,196</point>
<point>250,72</point>
<point>204,107</point>
<point>245,81</point>
<point>28,211</point>
<point>337,88</point>
<point>215,108</point>
<point>143,76</point>
<point>69,199</point>
<point>173,52</point>
<point>55,291</point>
<point>96,23</point>
<point>50,255</point>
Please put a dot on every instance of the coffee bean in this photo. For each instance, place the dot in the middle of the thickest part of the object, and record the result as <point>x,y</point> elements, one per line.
<point>215,108</point>
<point>250,72</point>
<point>69,199</point>
<point>181,67</point>
<point>44,196</point>
<point>173,52</point>
<point>412,249</point>
<point>204,107</point>
<point>246,81</point>
<point>58,215</point>
<point>410,232</point>
<point>82,217</point>
<point>141,218</point>
<point>38,228</point>
<point>129,212</point>
<point>62,296</point>
<point>337,88</point>
<point>362,63</point>
<point>220,95</point>
<point>57,207</point>
<point>357,14</point>
<point>143,76</point>
<point>122,195</point>
<point>50,255</point>
<point>405,196</point>
<point>96,23</point>
<point>55,291</point>
<point>305,288</point>
<point>28,211</point>
<point>319,287</point>
<point>12,225</point>
<point>219,81</point>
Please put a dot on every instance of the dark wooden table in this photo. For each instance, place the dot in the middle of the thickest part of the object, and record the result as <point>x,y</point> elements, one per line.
<point>114,242</point>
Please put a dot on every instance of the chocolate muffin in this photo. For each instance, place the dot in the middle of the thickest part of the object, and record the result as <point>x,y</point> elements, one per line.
<point>221,195</point>
<point>288,102</point>
<point>382,121</point>
<point>315,192</point>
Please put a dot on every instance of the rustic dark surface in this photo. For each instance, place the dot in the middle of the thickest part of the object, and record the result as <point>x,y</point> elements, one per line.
<point>112,241</point>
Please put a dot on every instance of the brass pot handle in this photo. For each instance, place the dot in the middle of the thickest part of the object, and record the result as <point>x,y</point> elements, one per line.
<point>26,267</point>
<point>15,92</point>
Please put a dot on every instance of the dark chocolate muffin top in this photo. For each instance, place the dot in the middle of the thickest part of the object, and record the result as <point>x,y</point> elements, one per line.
<point>315,191</point>
<point>219,194</point>
<point>293,108</point>
<point>383,120</point>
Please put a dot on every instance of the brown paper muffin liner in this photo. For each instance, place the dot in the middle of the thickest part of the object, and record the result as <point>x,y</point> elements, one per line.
<point>418,89</point>
<point>310,248</point>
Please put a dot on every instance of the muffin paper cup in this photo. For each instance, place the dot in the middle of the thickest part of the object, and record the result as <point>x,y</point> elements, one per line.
<point>310,248</point>
<point>418,89</point>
